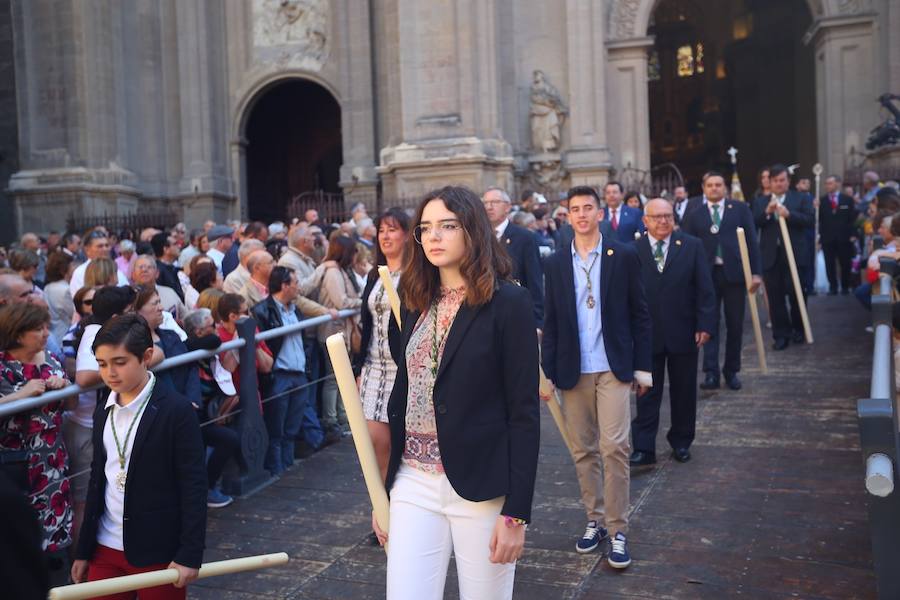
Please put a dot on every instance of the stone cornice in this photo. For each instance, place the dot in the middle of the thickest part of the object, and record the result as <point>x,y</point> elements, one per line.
<point>821,25</point>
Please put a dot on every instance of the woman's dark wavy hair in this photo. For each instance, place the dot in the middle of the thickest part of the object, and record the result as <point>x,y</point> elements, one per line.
<point>483,265</point>
<point>399,218</point>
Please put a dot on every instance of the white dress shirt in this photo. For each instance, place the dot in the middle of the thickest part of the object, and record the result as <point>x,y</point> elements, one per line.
<point>718,260</point>
<point>665,247</point>
<point>77,281</point>
<point>217,256</point>
<point>111,530</point>
<point>501,228</point>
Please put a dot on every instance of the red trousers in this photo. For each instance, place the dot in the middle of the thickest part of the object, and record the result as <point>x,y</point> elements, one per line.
<point>109,563</point>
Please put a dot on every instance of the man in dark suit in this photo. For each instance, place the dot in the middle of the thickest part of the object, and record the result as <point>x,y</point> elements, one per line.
<point>715,220</point>
<point>798,214</point>
<point>521,245</point>
<point>681,299</point>
<point>166,252</point>
<point>837,214</point>
<point>624,220</point>
<point>596,346</point>
<point>680,203</point>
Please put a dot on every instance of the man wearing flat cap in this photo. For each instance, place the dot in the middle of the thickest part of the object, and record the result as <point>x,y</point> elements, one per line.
<point>220,242</point>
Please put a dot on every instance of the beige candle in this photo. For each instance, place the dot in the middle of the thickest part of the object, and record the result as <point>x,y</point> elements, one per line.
<point>555,410</point>
<point>129,583</point>
<point>751,297</point>
<point>391,291</point>
<point>343,373</point>
<point>792,263</point>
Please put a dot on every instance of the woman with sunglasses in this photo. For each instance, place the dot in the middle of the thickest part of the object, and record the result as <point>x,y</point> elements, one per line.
<point>464,413</point>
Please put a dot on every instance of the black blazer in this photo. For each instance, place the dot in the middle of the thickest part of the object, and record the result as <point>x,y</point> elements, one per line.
<point>395,340</point>
<point>626,320</point>
<point>802,215</point>
<point>522,248</point>
<point>168,276</point>
<point>486,405</point>
<point>697,222</point>
<point>681,299</point>
<point>836,225</point>
<point>165,493</point>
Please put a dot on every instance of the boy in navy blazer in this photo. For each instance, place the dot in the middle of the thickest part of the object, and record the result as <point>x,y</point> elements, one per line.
<point>682,304</point>
<point>596,345</point>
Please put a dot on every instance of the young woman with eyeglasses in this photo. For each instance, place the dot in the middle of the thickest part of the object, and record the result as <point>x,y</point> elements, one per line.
<point>464,413</point>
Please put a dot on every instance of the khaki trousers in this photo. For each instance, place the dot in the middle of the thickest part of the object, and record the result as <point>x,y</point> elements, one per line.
<point>598,418</point>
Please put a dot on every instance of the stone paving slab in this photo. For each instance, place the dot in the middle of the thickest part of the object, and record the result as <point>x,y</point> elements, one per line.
<point>771,506</point>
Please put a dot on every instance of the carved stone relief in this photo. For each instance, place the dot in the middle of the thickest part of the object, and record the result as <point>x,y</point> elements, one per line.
<point>625,19</point>
<point>291,33</point>
<point>547,114</point>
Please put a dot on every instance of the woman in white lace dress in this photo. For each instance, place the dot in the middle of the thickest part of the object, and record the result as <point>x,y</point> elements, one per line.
<point>380,334</point>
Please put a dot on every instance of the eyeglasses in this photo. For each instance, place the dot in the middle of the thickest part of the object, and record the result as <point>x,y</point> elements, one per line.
<point>490,203</point>
<point>661,218</point>
<point>444,229</point>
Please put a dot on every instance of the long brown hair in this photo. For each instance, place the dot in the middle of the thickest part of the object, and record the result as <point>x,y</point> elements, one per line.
<point>483,265</point>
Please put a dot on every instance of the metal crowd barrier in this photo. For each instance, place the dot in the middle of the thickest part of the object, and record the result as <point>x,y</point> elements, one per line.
<point>879,436</point>
<point>240,479</point>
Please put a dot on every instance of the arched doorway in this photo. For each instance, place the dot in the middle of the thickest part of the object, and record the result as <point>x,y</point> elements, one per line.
<point>293,135</point>
<point>731,73</point>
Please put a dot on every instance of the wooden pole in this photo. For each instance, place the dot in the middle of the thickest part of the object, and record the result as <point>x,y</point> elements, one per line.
<point>555,410</point>
<point>798,290</point>
<point>129,583</point>
<point>391,292</point>
<point>343,373</point>
<point>751,297</point>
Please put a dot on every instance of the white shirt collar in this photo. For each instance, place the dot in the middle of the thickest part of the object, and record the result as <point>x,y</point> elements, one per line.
<point>501,228</point>
<point>598,248</point>
<point>147,389</point>
<point>653,241</point>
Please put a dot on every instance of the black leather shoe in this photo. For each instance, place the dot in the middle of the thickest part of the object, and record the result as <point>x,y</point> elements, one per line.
<point>710,383</point>
<point>780,344</point>
<point>642,459</point>
<point>682,455</point>
<point>798,337</point>
<point>732,381</point>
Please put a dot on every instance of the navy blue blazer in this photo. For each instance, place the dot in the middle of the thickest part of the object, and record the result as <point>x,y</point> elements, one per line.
<point>626,319</point>
<point>629,223</point>
<point>802,216</point>
<point>165,493</point>
<point>681,299</point>
<point>486,405</point>
<point>697,222</point>
<point>522,247</point>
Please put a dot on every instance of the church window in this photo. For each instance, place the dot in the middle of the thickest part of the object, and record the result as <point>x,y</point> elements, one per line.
<point>653,70</point>
<point>685,57</point>
<point>698,61</point>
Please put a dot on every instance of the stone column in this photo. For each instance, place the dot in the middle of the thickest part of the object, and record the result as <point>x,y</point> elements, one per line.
<point>629,107</point>
<point>358,178</point>
<point>845,87</point>
<point>450,130</point>
<point>587,159</point>
<point>204,188</point>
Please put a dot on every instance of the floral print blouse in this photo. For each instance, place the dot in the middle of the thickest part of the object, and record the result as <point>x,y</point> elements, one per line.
<point>39,432</point>
<point>421,450</point>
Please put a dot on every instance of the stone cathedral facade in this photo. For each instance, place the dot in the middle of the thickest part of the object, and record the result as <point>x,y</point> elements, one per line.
<point>120,106</point>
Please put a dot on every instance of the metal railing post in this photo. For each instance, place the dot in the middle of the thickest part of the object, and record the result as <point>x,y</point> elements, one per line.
<point>878,436</point>
<point>250,424</point>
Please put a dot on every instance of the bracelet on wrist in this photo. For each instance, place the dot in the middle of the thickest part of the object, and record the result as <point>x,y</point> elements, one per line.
<point>514,522</point>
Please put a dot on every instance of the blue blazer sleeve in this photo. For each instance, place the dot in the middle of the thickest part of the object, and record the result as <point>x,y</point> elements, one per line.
<point>550,334</point>
<point>641,323</point>
<point>534,279</point>
<point>520,382</point>
<point>706,295</point>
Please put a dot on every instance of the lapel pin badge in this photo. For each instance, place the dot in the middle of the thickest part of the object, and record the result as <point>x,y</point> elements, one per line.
<point>677,242</point>
<point>507,241</point>
<point>609,252</point>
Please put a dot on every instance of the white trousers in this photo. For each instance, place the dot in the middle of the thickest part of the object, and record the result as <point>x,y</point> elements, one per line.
<point>428,521</point>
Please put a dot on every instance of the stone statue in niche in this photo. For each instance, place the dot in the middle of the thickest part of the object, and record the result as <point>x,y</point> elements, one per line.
<point>293,32</point>
<point>547,114</point>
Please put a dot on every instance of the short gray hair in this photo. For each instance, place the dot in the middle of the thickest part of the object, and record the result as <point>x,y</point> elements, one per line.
<point>126,246</point>
<point>194,319</point>
<point>248,247</point>
<point>523,218</point>
<point>503,195</point>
